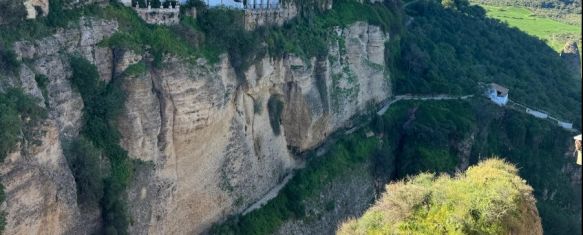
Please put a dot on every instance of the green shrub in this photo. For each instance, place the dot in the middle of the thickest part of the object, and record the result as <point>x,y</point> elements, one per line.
<point>349,153</point>
<point>103,102</point>
<point>19,113</point>
<point>136,69</point>
<point>8,61</point>
<point>84,161</point>
<point>489,198</point>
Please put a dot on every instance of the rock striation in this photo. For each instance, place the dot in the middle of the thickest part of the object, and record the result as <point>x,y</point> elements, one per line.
<point>210,139</point>
<point>201,137</point>
<point>40,189</point>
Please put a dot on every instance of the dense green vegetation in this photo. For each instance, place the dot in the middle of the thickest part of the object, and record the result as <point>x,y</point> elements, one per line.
<point>489,198</point>
<point>348,153</point>
<point>451,50</point>
<point>8,62</point>
<point>535,146</point>
<point>421,135</point>
<point>84,161</point>
<point>555,33</point>
<point>102,102</point>
<point>430,137</point>
<point>446,50</point>
<point>19,115</point>
<point>539,149</point>
<point>58,17</point>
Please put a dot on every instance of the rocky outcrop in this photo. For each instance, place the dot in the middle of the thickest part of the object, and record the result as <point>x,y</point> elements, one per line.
<point>46,58</point>
<point>210,140</point>
<point>274,16</point>
<point>570,55</point>
<point>334,89</point>
<point>204,138</point>
<point>40,190</point>
<point>36,8</point>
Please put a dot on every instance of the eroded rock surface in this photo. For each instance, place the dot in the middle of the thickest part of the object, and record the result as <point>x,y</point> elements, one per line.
<point>203,136</point>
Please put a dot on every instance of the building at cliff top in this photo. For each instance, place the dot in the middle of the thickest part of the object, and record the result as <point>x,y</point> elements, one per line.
<point>498,94</point>
<point>161,12</point>
<point>258,12</point>
<point>245,4</point>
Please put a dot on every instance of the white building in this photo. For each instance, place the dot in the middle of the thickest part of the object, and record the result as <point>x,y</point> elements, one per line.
<point>498,94</point>
<point>129,2</point>
<point>244,4</point>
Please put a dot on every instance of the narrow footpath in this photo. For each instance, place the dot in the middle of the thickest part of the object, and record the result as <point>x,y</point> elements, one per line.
<point>384,106</point>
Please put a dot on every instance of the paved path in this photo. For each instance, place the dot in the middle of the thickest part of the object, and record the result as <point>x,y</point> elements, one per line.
<point>325,146</point>
<point>387,103</point>
<point>269,195</point>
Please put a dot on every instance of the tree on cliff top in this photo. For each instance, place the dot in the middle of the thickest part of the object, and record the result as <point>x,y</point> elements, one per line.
<point>489,198</point>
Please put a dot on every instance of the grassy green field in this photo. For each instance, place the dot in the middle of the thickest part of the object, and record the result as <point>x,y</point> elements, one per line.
<point>555,33</point>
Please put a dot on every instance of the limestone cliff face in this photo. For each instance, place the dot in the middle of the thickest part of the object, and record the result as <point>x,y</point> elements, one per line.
<point>327,93</point>
<point>209,137</point>
<point>203,135</point>
<point>36,8</point>
<point>40,189</point>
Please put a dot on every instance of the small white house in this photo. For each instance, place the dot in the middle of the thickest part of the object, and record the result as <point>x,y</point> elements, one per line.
<point>498,94</point>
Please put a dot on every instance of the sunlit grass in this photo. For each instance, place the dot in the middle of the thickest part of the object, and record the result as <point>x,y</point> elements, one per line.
<point>555,33</point>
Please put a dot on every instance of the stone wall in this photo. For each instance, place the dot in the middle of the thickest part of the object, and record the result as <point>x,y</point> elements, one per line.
<point>274,16</point>
<point>160,16</point>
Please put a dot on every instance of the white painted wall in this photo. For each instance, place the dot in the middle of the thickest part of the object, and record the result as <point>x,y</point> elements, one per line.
<point>537,113</point>
<point>565,125</point>
<point>497,99</point>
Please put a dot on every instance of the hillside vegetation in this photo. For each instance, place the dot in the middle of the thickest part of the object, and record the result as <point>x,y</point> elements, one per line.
<point>452,49</point>
<point>443,136</point>
<point>443,50</point>
<point>489,198</point>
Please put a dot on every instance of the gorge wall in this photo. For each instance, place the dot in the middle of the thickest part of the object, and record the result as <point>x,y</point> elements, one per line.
<point>204,136</point>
